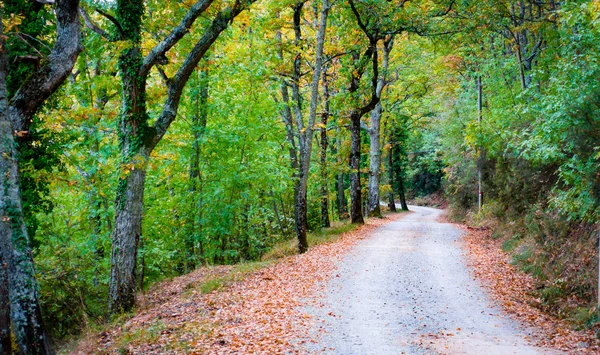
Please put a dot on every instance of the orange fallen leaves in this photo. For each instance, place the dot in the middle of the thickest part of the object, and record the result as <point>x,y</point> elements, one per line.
<point>260,314</point>
<point>513,290</point>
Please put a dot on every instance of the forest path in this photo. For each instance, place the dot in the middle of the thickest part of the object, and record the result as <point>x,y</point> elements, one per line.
<point>406,289</point>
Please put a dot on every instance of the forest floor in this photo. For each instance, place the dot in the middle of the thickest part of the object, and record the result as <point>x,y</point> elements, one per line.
<point>407,283</point>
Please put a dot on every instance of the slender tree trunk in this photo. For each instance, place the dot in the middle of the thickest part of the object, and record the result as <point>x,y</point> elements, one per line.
<point>356,215</point>
<point>401,193</point>
<point>342,203</point>
<point>374,162</point>
<point>324,143</point>
<point>392,202</point>
<point>374,207</point>
<point>199,119</point>
<point>300,158</point>
<point>480,159</point>
<point>17,261</point>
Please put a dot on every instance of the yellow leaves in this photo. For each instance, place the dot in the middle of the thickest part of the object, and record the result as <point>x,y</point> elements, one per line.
<point>12,23</point>
<point>595,10</point>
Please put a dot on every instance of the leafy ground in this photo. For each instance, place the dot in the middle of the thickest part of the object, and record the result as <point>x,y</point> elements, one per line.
<point>255,307</point>
<point>249,308</point>
<point>513,290</point>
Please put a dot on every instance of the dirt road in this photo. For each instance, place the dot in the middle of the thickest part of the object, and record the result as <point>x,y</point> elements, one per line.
<point>407,290</point>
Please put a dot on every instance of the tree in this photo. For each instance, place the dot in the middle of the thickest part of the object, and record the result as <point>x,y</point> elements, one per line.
<point>16,116</point>
<point>137,137</point>
<point>374,134</point>
<point>299,132</point>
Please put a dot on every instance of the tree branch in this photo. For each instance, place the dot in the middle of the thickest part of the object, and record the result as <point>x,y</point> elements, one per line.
<point>178,32</point>
<point>91,25</point>
<point>218,25</point>
<point>46,80</point>
<point>114,21</point>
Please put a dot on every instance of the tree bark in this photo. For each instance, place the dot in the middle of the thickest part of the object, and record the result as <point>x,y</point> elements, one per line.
<point>25,311</point>
<point>324,144</point>
<point>392,202</point>
<point>374,162</point>
<point>342,204</point>
<point>401,193</point>
<point>193,239</point>
<point>356,215</point>
<point>357,112</point>
<point>375,134</point>
<point>5,340</point>
<point>300,158</point>
<point>17,262</point>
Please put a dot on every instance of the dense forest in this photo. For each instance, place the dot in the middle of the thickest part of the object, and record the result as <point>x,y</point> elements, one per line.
<point>140,140</point>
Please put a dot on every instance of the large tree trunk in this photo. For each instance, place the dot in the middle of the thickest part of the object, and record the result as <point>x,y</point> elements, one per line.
<point>5,340</point>
<point>17,262</point>
<point>356,215</point>
<point>134,135</point>
<point>125,239</point>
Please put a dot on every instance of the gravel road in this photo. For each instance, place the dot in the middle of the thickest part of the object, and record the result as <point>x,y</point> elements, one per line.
<point>407,290</point>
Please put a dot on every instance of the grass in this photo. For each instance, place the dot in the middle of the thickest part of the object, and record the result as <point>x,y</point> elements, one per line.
<point>238,273</point>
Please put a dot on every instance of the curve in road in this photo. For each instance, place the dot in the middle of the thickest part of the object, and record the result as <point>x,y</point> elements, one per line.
<point>406,289</point>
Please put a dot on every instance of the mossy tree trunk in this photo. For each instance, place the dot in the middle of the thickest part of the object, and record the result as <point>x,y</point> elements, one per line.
<point>16,116</point>
<point>361,108</point>
<point>137,138</point>
<point>17,278</point>
<point>5,334</point>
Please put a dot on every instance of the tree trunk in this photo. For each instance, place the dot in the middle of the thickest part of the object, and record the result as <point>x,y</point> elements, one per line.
<point>356,215</point>
<point>17,261</point>
<point>125,239</point>
<point>374,162</point>
<point>134,134</point>
<point>5,340</point>
<point>300,158</point>
<point>324,143</point>
<point>342,204</point>
<point>375,133</point>
<point>392,202</point>
<point>193,239</point>
<point>401,194</point>
<point>300,216</point>
<point>479,159</point>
